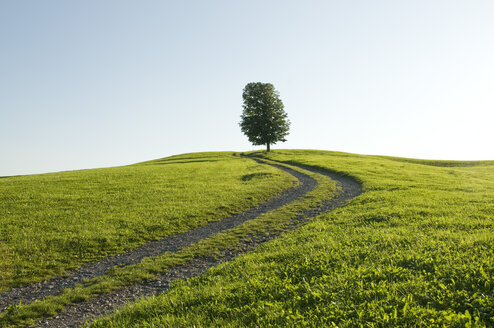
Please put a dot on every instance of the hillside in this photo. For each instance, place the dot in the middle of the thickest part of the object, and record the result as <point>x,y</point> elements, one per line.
<point>415,248</point>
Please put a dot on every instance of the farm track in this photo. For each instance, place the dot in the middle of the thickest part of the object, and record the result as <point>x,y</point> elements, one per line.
<point>76,314</point>
<point>31,292</point>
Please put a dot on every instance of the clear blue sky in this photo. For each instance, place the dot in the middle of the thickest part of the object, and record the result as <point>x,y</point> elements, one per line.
<point>97,83</point>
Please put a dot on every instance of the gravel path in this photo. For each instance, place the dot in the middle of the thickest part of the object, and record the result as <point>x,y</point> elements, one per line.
<point>76,314</point>
<point>31,292</point>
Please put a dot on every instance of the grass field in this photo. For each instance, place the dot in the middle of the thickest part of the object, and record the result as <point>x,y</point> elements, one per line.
<point>416,249</point>
<point>52,222</point>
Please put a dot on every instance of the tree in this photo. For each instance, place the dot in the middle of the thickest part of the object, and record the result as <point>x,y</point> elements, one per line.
<point>264,120</point>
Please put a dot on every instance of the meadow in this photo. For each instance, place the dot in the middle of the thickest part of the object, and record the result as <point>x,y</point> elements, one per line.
<point>50,223</point>
<point>415,249</point>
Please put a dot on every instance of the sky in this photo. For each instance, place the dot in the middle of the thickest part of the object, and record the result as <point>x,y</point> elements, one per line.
<point>86,84</point>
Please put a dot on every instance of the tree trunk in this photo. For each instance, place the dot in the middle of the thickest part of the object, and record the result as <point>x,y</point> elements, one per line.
<point>267,147</point>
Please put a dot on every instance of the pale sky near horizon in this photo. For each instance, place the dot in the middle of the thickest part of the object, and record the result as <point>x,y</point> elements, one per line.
<point>87,84</point>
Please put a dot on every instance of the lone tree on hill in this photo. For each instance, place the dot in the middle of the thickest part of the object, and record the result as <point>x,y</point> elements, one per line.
<point>264,120</point>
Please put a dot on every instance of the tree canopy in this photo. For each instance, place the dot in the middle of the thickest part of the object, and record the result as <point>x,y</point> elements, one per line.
<point>264,120</point>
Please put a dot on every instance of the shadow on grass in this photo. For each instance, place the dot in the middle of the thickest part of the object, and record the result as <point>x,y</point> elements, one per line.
<point>251,176</point>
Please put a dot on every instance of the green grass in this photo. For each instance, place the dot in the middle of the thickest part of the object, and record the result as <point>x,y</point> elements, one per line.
<point>52,222</point>
<point>416,249</point>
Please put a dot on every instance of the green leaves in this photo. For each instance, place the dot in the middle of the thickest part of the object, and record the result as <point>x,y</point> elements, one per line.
<point>263,120</point>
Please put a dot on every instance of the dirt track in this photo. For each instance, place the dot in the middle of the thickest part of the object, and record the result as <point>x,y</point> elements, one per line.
<point>77,314</point>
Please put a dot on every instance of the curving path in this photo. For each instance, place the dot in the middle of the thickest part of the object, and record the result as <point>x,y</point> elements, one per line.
<point>77,314</point>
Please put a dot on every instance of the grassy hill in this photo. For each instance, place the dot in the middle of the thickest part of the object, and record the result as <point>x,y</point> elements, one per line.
<point>53,222</point>
<point>416,249</point>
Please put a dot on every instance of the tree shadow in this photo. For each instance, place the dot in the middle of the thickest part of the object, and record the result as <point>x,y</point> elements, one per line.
<point>251,176</point>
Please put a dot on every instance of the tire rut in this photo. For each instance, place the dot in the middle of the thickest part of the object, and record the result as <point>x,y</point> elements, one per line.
<point>77,314</point>
<point>29,293</point>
